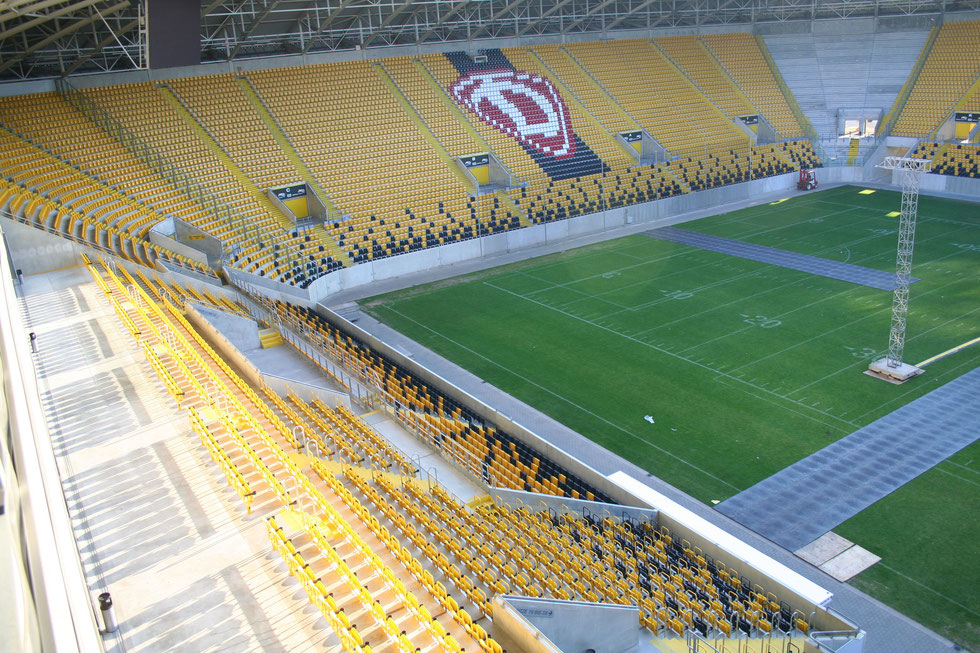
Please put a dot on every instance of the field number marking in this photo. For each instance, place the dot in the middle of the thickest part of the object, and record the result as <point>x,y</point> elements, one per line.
<point>969,247</point>
<point>761,320</point>
<point>677,294</point>
<point>865,353</point>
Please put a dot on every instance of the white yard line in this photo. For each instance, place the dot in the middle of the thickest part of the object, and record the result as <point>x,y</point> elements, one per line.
<point>567,401</point>
<point>926,587</point>
<point>862,363</point>
<point>672,354</point>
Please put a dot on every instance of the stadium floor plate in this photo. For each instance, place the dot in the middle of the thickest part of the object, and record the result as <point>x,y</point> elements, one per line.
<point>792,260</point>
<point>805,500</point>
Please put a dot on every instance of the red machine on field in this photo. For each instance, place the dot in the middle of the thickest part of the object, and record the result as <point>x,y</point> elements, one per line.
<point>808,179</point>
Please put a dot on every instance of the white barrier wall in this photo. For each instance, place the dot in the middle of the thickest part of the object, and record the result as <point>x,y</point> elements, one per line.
<point>943,184</point>
<point>542,625</point>
<point>536,502</point>
<point>541,234</point>
<point>555,232</point>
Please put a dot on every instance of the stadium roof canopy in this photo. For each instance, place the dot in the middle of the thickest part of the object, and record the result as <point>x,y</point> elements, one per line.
<point>52,38</point>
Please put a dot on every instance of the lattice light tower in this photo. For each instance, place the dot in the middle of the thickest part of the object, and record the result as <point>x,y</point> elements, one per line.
<point>892,365</point>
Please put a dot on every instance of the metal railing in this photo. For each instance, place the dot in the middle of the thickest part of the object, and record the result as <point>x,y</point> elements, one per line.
<point>154,160</point>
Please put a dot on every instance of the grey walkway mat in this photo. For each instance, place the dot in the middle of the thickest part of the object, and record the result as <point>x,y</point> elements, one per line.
<point>797,505</point>
<point>812,264</point>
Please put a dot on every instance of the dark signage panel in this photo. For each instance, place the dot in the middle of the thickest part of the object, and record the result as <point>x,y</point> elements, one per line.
<point>290,192</point>
<point>475,160</point>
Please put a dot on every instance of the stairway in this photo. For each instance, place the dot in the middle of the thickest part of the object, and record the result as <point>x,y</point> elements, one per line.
<point>331,245</point>
<point>610,147</point>
<point>287,147</point>
<point>423,128</point>
<point>670,176</point>
<point>724,73</point>
<point>852,151</point>
<point>222,156</point>
<point>270,338</point>
<point>588,78</point>
<point>782,156</point>
<point>922,49</point>
<point>464,121</point>
<point>721,117</point>
<point>510,205</point>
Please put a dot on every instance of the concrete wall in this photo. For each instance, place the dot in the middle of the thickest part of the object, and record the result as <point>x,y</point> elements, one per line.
<point>222,345</point>
<point>242,332</point>
<point>514,632</point>
<point>164,234</point>
<point>572,626</point>
<point>534,236</point>
<point>308,391</point>
<point>543,234</point>
<point>802,593</point>
<point>234,336</point>
<point>943,185</point>
<point>534,502</point>
<point>33,251</point>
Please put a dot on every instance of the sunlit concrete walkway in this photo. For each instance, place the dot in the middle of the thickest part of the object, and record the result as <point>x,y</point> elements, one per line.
<point>156,524</point>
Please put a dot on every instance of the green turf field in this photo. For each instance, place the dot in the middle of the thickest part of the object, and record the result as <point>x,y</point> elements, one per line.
<point>745,367</point>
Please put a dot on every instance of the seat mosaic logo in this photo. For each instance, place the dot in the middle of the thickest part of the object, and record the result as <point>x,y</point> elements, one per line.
<point>523,106</point>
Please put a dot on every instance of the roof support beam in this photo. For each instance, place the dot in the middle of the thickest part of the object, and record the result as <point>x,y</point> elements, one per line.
<point>334,13</point>
<point>10,12</point>
<point>591,12</point>
<point>449,14</point>
<point>553,9</point>
<point>34,22</point>
<point>495,17</point>
<point>77,25</point>
<point>114,36</point>
<point>387,21</point>
<point>251,27</point>
<point>211,7</point>
<point>632,13</point>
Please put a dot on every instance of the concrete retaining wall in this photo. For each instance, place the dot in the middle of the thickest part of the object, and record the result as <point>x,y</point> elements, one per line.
<point>535,502</point>
<point>307,391</point>
<point>490,415</point>
<point>222,345</point>
<point>541,234</point>
<point>943,184</point>
<point>33,251</point>
<point>234,347</point>
<point>242,332</point>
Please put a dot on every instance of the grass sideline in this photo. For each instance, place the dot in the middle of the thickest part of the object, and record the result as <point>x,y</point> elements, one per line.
<point>745,367</point>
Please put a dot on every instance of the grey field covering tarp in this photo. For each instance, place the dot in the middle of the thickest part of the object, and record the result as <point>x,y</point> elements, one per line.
<point>805,500</point>
<point>812,264</point>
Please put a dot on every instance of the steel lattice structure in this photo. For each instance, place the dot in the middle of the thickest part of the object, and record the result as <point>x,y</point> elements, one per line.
<point>51,38</point>
<point>911,170</point>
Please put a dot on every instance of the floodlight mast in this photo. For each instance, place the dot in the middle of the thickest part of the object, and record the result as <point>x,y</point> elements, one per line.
<point>912,170</point>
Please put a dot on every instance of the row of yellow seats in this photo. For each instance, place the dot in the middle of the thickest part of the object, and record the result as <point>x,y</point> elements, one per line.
<point>458,614</point>
<point>350,637</point>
